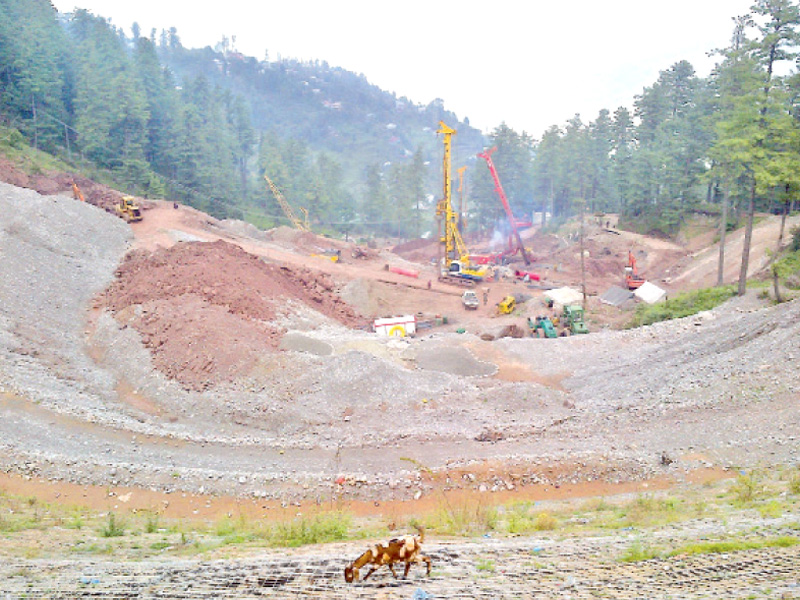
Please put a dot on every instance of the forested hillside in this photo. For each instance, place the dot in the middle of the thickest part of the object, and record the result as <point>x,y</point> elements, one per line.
<point>205,125</point>
<point>686,144</point>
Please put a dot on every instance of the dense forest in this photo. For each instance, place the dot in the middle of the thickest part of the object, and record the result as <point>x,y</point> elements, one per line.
<point>205,125</point>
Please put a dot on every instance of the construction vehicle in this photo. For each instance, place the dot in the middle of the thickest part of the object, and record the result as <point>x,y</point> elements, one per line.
<point>632,278</point>
<point>507,305</point>
<point>512,220</point>
<point>542,327</point>
<point>462,210</point>
<point>331,254</point>
<point>470,300</point>
<point>77,193</point>
<point>573,317</point>
<point>129,210</point>
<point>287,209</point>
<point>402,326</point>
<point>456,263</point>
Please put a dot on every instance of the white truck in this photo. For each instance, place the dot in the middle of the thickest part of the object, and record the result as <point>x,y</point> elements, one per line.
<point>470,300</point>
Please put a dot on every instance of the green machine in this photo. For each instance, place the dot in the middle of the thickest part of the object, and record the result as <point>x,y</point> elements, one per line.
<point>573,315</point>
<point>542,327</point>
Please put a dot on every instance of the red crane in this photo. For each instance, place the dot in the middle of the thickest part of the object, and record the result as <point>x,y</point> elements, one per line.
<point>499,189</point>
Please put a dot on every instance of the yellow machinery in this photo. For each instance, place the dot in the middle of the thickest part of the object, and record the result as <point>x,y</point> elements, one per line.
<point>456,256</point>
<point>287,210</point>
<point>462,209</point>
<point>129,210</point>
<point>507,305</point>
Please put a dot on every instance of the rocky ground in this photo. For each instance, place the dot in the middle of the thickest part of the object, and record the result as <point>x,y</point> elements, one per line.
<point>142,373</point>
<point>535,567</point>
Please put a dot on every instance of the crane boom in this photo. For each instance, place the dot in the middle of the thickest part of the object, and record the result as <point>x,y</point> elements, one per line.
<point>498,187</point>
<point>287,210</point>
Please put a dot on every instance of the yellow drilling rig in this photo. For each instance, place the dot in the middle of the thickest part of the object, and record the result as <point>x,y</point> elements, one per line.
<point>455,264</point>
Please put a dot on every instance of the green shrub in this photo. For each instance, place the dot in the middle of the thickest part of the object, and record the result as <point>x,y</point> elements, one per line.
<point>636,553</point>
<point>794,482</point>
<point>112,527</point>
<point>749,487</point>
<point>545,522</point>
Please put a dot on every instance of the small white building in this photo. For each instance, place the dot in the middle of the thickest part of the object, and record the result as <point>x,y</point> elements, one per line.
<point>396,326</point>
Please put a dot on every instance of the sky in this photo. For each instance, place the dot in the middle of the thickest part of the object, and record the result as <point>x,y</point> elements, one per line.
<point>527,63</point>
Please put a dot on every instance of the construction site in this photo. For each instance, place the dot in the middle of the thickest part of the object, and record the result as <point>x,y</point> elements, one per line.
<point>154,358</point>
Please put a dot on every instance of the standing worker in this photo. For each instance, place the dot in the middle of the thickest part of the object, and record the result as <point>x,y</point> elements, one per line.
<point>485,296</point>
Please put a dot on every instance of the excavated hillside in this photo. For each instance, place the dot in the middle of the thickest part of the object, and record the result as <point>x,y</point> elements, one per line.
<point>187,355</point>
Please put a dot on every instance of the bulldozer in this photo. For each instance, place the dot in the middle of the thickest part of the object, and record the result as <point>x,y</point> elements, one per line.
<point>129,210</point>
<point>573,318</point>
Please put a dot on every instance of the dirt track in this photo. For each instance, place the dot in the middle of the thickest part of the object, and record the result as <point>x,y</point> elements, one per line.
<point>83,400</point>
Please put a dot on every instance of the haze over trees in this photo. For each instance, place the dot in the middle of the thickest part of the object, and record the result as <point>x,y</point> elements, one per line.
<point>204,126</point>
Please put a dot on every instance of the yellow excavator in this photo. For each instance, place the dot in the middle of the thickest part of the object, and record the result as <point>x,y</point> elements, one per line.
<point>129,210</point>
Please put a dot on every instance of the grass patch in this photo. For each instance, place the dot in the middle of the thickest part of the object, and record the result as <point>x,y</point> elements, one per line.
<point>724,546</point>
<point>464,519</point>
<point>645,510</point>
<point>485,564</point>
<point>326,527</point>
<point>520,519</point>
<point>682,305</point>
<point>636,552</point>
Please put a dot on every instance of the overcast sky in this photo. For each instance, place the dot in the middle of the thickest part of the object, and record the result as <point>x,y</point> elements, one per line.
<point>528,63</point>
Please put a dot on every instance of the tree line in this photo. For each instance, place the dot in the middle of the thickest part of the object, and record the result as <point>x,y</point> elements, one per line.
<point>689,144</point>
<point>204,126</point>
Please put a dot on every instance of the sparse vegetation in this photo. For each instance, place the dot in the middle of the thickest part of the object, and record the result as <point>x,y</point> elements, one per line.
<point>748,487</point>
<point>682,305</point>
<point>463,520</point>
<point>147,533</point>
<point>327,527</point>
<point>636,552</point>
<point>113,528</point>
<point>485,565</point>
<point>718,547</point>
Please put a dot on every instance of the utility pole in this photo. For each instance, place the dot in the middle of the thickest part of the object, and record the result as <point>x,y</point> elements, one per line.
<point>723,229</point>
<point>583,265</point>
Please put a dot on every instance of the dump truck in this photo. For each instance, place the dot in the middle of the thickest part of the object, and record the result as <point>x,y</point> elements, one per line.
<point>470,300</point>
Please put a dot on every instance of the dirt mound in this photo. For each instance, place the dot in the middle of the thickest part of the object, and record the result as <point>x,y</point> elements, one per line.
<point>207,310</point>
<point>418,250</point>
<point>50,184</point>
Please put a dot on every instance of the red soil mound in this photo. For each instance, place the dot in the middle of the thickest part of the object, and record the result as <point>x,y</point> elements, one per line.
<point>207,310</point>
